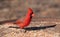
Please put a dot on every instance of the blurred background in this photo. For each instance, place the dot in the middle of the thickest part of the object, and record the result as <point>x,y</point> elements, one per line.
<point>44,10</point>
<point>13,9</point>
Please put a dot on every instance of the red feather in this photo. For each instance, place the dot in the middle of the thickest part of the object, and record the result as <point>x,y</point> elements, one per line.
<point>27,19</point>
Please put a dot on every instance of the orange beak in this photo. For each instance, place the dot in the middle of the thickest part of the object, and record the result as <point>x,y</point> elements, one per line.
<point>33,14</point>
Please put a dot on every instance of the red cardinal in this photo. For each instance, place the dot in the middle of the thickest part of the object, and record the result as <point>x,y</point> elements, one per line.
<point>20,23</point>
<point>27,19</point>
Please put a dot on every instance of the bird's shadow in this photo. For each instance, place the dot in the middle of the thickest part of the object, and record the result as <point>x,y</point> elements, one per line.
<point>38,28</point>
<point>35,28</point>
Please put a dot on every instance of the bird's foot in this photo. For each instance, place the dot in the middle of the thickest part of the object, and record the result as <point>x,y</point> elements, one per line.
<point>23,30</point>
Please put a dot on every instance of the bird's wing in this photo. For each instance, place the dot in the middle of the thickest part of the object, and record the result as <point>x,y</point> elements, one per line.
<point>18,21</point>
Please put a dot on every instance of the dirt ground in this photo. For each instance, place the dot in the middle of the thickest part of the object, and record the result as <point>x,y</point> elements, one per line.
<point>45,23</point>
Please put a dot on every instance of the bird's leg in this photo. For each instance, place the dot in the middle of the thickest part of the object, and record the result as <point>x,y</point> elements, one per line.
<point>23,30</point>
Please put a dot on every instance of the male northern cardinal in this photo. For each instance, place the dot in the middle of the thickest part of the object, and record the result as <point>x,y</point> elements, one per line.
<point>27,19</point>
<point>20,23</point>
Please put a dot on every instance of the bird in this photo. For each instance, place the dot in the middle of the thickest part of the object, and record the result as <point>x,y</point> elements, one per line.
<point>27,19</point>
<point>20,23</point>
